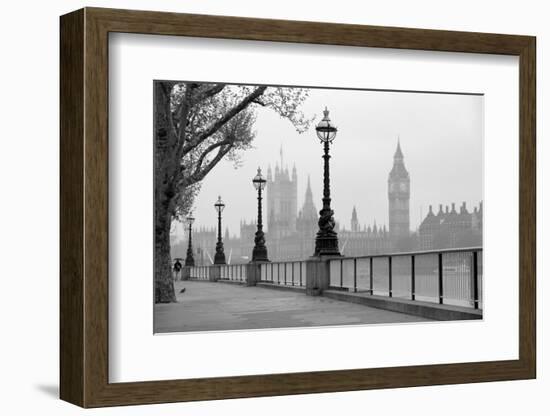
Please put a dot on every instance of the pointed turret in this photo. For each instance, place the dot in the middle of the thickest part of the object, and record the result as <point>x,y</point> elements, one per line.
<point>308,209</point>
<point>398,155</point>
<point>354,220</point>
<point>398,172</point>
<point>440,214</point>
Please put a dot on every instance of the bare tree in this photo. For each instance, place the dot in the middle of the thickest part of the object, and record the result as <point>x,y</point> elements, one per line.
<point>196,126</point>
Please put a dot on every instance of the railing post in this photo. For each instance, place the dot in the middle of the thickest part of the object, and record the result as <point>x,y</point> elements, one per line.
<point>271,272</point>
<point>413,279</point>
<point>474,282</point>
<point>341,273</point>
<point>317,278</point>
<point>253,272</point>
<point>355,275</point>
<point>213,273</point>
<point>371,277</point>
<point>440,277</point>
<point>300,264</point>
<point>389,277</point>
<point>285,272</point>
<point>292,264</point>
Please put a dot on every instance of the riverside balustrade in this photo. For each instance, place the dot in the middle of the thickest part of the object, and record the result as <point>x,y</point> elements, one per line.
<point>233,272</point>
<point>451,276</point>
<point>199,272</point>
<point>289,273</point>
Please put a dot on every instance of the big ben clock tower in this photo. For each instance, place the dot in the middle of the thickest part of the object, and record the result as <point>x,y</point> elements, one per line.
<point>398,197</point>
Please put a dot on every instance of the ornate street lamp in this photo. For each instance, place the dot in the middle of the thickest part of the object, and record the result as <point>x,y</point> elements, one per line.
<point>189,260</point>
<point>326,241</point>
<point>219,257</point>
<point>259,253</point>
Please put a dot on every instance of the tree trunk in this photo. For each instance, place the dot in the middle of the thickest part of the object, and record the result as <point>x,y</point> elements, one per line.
<point>164,284</point>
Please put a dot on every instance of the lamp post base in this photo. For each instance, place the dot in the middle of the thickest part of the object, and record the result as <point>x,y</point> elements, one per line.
<point>259,254</point>
<point>219,259</point>
<point>326,245</point>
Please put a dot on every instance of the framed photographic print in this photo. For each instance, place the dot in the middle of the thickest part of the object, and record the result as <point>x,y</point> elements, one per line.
<point>256,207</point>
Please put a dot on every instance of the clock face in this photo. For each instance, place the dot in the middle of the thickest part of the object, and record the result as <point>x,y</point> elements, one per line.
<point>403,186</point>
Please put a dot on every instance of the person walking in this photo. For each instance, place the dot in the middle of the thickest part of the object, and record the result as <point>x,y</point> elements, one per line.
<point>177,269</point>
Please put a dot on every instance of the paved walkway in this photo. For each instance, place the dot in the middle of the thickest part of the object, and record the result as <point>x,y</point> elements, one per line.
<point>207,306</point>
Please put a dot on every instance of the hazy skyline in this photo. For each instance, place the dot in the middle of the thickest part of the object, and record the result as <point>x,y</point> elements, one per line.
<point>441,137</point>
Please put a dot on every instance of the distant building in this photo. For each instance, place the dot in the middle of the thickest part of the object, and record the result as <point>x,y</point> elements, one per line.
<point>451,229</point>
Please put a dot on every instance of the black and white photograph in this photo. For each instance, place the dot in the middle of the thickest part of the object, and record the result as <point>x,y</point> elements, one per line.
<point>293,207</point>
<point>254,208</point>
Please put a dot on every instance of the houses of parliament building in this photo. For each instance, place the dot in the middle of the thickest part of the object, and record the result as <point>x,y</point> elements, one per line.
<point>291,230</point>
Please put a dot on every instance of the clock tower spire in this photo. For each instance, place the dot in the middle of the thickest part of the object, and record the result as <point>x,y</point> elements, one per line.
<point>398,197</point>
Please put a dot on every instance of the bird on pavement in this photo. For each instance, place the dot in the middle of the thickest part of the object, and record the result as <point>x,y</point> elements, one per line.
<point>183,290</point>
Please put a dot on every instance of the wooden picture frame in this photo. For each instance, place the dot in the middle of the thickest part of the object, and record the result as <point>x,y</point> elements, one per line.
<point>84,207</point>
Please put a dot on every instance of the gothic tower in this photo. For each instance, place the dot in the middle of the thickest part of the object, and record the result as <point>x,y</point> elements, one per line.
<point>398,197</point>
<point>282,200</point>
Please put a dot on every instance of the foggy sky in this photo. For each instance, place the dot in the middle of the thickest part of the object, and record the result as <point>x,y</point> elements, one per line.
<point>441,138</point>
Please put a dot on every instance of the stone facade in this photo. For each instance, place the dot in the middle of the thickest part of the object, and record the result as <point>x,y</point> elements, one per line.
<point>451,229</point>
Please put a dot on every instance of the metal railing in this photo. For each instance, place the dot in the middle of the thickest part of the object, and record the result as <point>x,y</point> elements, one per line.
<point>200,273</point>
<point>289,273</point>
<point>451,276</point>
<point>233,272</point>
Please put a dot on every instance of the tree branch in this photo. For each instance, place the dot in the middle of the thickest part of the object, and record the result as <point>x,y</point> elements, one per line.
<point>232,113</point>
<point>230,140</point>
<point>199,176</point>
